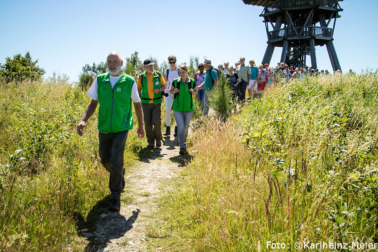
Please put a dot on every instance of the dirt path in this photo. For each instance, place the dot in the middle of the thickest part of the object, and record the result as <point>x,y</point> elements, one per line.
<point>126,230</point>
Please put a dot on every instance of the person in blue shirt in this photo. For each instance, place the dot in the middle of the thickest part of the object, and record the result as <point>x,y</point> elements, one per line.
<point>252,87</point>
<point>210,83</point>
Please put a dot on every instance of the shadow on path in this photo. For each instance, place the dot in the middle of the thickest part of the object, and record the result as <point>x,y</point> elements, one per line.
<point>114,225</point>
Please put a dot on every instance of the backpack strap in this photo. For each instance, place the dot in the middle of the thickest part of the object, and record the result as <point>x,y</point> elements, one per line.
<point>176,86</point>
<point>192,83</point>
<point>212,79</point>
<point>167,72</point>
<point>141,79</point>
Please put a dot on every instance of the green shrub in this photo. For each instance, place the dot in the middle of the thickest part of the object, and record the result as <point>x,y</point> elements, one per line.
<point>220,99</point>
<point>301,164</point>
<point>86,80</point>
<point>50,178</point>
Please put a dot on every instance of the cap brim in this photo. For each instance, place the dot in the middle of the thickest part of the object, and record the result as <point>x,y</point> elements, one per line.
<point>152,63</point>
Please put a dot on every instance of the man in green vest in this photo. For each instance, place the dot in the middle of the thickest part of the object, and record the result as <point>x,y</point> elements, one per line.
<point>114,91</point>
<point>150,85</point>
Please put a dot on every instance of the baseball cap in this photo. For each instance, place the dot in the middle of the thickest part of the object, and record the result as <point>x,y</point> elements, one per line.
<point>148,62</point>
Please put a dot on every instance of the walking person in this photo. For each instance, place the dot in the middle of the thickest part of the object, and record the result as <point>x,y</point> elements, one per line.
<point>237,66</point>
<point>233,81</point>
<point>226,66</point>
<point>210,83</point>
<point>115,92</point>
<point>150,85</point>
<point>183,88</point>
<point>170,74</point>
<point>262,78</point>
<point>286,73</point>
<point>199,78</point>
<point>252,87</point>
<point>269,74</point>
<point>244,75</point>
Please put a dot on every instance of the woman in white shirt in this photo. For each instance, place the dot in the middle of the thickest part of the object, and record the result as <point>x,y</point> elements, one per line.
<point>170,74</point>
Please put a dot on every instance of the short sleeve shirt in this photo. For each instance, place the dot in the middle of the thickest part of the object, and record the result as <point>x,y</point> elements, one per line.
<point>209,83</point>
<point>150,85</point>
<point>254,72</point>
<point>243,73</point>
<point>92,92</point>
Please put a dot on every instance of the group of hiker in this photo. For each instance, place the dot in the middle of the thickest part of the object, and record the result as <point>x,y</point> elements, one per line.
<point>115,91</point>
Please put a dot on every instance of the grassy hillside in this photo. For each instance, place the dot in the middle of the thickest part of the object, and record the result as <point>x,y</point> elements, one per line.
<point>50,178</point>
<point>298,165</point>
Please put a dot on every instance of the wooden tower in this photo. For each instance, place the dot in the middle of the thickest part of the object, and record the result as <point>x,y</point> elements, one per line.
<point>298,26</point>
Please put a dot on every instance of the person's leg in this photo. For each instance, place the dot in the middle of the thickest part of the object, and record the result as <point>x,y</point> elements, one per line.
<point>168,110</point>
<point>205,105</point>
<point>249,88</point>
<point>156,121</point>
<point>179,117</point>
<point>200,97</point>
<point>242,88</point>
<point>106,142</point>
<point>187,117</point>
<point>147,115</point>
<point>117,171</point>
<point>254,88</point>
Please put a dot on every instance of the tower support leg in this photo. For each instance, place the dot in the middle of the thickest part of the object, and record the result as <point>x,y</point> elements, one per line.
<point>268,54</point>
<point>284,50</point>
<point>313,54</point>
<point>333,56</point>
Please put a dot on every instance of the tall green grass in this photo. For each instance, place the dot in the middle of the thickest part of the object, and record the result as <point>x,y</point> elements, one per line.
<point>298,165</point>
<point>50,178</point>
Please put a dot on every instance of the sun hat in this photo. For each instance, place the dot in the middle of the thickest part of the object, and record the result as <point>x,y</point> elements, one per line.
<point>207,62</point>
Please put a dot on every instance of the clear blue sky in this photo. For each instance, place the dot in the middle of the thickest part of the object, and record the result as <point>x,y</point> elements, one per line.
<point>66,35</point>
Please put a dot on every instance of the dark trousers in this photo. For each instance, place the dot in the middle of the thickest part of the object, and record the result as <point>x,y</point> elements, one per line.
<point>152,123</point>
<point>242,87</point>
<point>112,148</point>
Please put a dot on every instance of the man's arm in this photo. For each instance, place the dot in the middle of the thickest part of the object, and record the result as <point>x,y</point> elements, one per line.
<point>88,113</point>
<point>215,83</point>
<point>139,112</point>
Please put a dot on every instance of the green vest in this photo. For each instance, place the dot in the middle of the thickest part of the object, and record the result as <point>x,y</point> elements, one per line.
<point>144,93</point>
<point>115,113</point>
<point>183,101</point>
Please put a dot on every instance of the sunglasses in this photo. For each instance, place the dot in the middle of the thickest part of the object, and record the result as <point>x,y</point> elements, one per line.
<point>172,62</point>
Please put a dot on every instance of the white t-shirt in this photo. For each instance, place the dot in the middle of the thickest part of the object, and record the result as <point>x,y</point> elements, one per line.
<point>172,75</point>
<point>92,92</point>
<point>225,72</point>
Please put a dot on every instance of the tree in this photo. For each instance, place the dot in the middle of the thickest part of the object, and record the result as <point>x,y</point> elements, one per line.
<point>20,69</point>
<point>95,70</point>
<point>89,74</point>
<point>221,99</point>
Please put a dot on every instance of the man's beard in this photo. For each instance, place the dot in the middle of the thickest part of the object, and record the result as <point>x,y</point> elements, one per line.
<point>115,72</point>
<point>148,71</point>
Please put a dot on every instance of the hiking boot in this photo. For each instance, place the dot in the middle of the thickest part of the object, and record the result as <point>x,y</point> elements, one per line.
<point>158,144</point>
<point>182,151</point>
<point>115,205</point>
<point>175,135</point>
<point>150,147</point>
<point>167,131</point>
